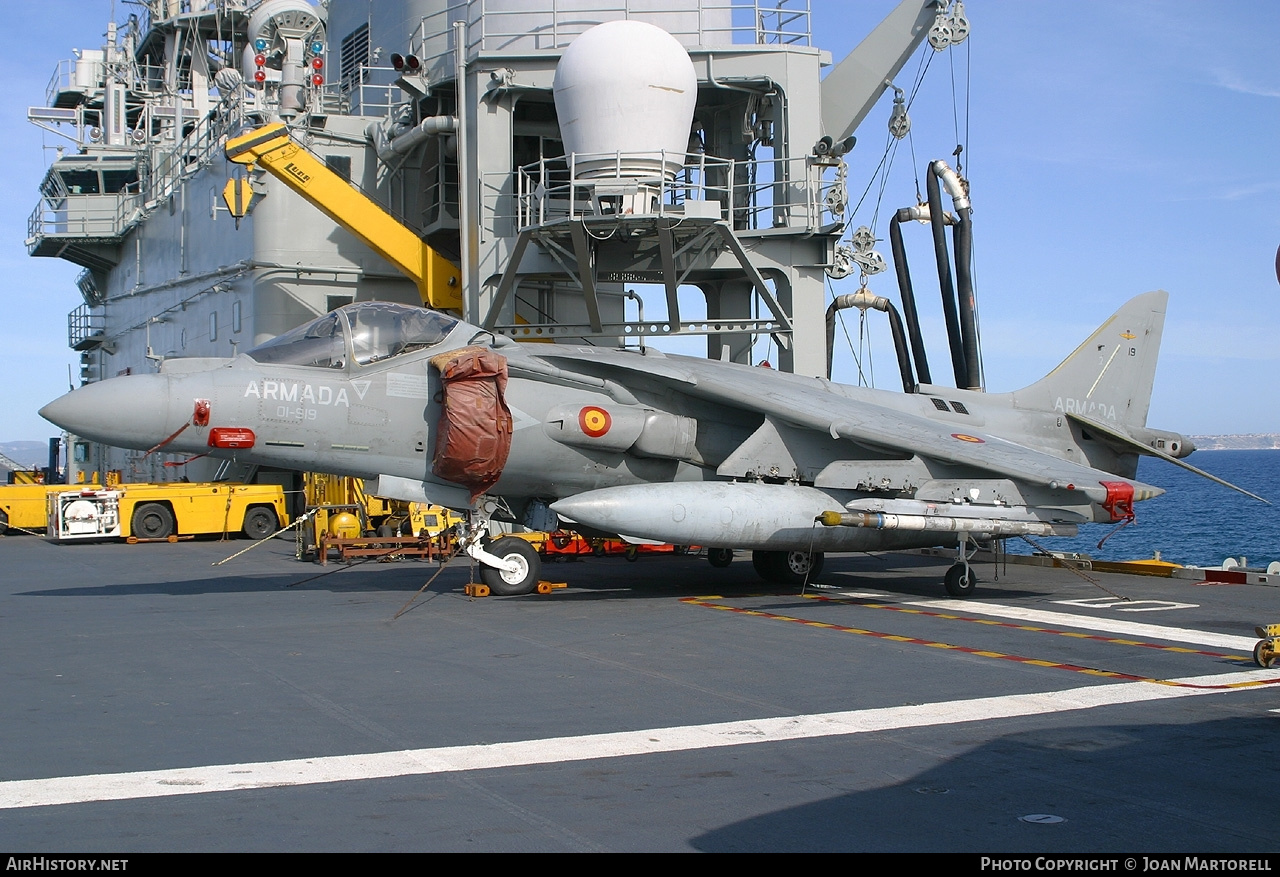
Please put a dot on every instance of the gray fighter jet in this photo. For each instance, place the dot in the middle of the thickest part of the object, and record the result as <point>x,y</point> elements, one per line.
<point>659,447</point>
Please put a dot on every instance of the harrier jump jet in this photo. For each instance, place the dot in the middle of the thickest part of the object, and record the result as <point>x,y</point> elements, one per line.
<point>660,447</point>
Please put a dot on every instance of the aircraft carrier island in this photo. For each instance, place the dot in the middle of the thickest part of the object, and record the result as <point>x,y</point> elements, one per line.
<point>187,253</point>
<point>414,242</point>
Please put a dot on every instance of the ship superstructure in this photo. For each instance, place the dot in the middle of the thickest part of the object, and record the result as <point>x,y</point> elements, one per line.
<point>458,115</point>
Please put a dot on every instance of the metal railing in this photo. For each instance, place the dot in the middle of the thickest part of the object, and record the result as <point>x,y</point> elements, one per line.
<point>371,92</point>
<point>83,324</point>
<point>541,25</point>
<point>64,77</point>
<point>102,217</point>
<point>192,152</point>
<point>752,195</point>
<point>134,76</point>
<point>163,10</point>
<point>106,216</point>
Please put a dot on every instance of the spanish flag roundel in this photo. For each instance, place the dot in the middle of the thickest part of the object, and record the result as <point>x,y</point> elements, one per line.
<point>594,421</point>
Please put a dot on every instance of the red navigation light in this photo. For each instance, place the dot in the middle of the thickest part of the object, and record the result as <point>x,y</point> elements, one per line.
<point>231,437</point>
<point>260,59</point>
<point>317,62</point>
<point>397,61</point>
<point>317,79</point>
<point>260,76</point>
<point>412,63</point>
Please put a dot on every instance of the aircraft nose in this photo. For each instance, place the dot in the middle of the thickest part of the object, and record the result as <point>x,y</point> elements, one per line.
<point>128,412</point>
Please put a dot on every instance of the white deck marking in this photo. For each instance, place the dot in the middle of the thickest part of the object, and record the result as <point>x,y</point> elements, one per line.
<point>1122,605</point>
<point>559,750</point>
<point>1090,622</point>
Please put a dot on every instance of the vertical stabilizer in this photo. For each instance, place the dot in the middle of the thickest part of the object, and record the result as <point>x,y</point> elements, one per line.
<point>1109,377</point>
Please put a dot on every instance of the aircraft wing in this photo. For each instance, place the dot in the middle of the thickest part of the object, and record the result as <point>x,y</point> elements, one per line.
<point>810,404</point>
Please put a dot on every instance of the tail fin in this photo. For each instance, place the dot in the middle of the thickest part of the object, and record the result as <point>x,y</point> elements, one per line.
<point>1109,377</point>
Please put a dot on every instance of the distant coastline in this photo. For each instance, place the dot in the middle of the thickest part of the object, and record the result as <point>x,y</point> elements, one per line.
<point>1254,441</point>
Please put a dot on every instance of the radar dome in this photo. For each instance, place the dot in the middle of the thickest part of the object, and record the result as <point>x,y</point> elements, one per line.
<point>625,92</point>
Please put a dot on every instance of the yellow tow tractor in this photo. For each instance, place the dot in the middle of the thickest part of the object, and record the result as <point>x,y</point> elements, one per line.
<point>24,505</point>
<point>164,512</point>
<point>140,512</point>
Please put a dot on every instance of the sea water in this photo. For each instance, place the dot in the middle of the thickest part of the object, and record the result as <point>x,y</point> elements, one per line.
<point>1196,522</point>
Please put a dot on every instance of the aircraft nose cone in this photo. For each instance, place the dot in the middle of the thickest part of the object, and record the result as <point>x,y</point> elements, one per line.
<point>127,412</point>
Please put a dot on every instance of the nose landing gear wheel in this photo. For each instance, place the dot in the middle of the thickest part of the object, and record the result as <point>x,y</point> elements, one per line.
<point>960,580</point>
<point>523,579</point>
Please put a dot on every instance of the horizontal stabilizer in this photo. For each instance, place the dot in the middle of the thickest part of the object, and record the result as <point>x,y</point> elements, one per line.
<point>1138,446</point>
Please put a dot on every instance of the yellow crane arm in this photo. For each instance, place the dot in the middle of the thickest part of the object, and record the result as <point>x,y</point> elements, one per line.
<point>271,148</point>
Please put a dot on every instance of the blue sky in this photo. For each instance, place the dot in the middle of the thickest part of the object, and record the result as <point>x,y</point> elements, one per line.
<point>1112,148</point>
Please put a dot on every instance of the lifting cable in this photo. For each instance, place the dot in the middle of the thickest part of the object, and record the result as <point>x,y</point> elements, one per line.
<point>1074,567</point>
<point>267,539</point>
<point>881,174</point>
<point>854,352</point>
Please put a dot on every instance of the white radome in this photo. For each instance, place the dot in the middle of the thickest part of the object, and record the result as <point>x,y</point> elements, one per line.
<point>625,88</point>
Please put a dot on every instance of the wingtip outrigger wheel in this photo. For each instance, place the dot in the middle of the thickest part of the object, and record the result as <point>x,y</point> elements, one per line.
<point>960,580</point>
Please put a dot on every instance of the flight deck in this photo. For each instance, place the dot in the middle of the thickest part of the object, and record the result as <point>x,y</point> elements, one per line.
<point>158,702</point>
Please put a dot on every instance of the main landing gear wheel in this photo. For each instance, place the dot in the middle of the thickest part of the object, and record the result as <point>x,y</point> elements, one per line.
<point>720,557</point>
<point>259,522</point>
<point>151,520</point>
<point>788,567</point>
<point>960,580</point>
<point>762,563</point>
<point>525,576</point>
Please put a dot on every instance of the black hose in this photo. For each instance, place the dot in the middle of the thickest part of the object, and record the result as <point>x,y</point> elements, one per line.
<point>962,236</point>
<point>908,295</point>
<point>944,277</point>
<point>895,327</point>
<point>900,345</point>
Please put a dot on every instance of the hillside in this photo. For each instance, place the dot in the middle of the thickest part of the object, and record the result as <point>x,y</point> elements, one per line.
<point>27,454</point>
<point>1247,442</point>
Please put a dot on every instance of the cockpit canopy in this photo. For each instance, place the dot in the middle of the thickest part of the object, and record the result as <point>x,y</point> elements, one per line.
<point>362,332</point>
